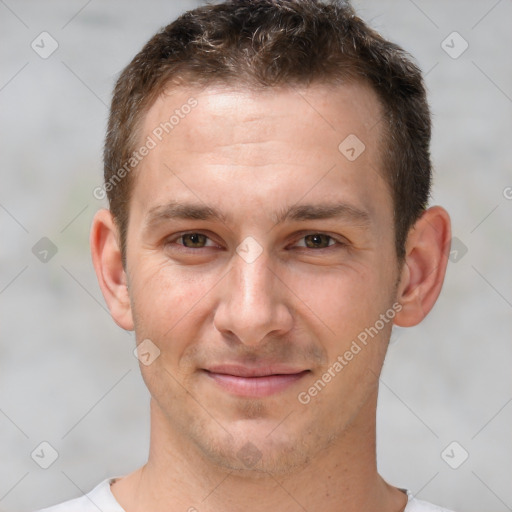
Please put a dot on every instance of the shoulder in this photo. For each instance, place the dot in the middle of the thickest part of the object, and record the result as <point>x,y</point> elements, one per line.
<point>100,498</point>
<point>414,505</point>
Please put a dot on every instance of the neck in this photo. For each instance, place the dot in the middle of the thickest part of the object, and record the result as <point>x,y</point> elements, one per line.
<point>178,476</point>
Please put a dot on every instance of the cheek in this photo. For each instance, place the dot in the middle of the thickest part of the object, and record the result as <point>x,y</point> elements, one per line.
<point>169,307</point>
<point>344,300</point>
<point>165,298</point>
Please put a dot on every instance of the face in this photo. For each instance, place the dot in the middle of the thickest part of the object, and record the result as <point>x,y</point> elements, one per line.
<point>261,263</point>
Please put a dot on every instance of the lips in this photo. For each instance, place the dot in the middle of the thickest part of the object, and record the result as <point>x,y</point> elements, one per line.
<point>254,382</point>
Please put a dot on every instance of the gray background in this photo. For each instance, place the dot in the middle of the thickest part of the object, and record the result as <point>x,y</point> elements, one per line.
<point>67,373</point>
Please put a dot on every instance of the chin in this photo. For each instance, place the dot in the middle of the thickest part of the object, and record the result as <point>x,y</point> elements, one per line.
<point>253,452</point>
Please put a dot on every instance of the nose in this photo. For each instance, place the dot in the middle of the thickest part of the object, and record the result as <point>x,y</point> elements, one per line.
<point>253,303</point>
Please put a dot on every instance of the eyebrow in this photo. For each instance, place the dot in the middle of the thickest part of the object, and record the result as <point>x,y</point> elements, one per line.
<point>192,211</point>
<point>324,211</point>
<point>186,211</point>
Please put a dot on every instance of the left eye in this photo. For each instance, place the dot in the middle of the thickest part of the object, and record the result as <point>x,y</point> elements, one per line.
<point>316,241</point>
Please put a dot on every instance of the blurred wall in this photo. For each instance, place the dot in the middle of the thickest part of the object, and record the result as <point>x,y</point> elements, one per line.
<point>67,373</point>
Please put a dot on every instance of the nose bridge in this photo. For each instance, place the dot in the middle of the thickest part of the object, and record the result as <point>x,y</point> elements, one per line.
<point>252,303</point>
<point>252,287</point>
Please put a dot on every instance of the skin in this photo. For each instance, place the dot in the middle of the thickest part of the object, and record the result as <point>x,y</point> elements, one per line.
<point>302,301</point>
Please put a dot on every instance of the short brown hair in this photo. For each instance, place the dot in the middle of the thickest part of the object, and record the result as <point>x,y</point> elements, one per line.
<point>270,43</point>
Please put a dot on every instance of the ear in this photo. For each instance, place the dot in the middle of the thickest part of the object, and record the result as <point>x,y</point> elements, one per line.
<point>427,250</point>
<point>106,257</point>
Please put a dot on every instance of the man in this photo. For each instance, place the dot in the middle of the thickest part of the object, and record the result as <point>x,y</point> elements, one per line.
<point>267,168</point>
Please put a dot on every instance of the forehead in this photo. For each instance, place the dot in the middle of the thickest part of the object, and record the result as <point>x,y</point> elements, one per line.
<point>278,141</point>
<point>233,113</point>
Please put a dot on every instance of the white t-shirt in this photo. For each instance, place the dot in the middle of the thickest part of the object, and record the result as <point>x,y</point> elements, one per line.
<point>101,498</point>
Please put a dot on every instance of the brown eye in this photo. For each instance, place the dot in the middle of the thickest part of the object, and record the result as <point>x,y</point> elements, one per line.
<point>193,240</point>
<point>318,241</point>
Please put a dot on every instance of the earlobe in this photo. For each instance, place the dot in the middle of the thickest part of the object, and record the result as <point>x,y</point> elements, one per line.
<point>107,261</point>
<point>427,250</point>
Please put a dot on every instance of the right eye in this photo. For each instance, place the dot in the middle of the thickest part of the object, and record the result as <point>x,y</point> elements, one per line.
<point>193,240</point>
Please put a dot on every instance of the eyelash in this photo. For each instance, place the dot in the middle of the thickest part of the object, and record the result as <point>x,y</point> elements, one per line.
<point>336,241</point>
